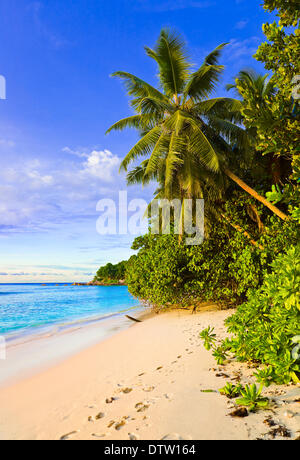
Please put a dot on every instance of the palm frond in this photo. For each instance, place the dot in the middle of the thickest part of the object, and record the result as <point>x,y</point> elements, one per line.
<point>139,88</point>
<point>177,121</point>
<point>203,82</point>
<point>213,57</point>
<point>137,175</point>
<point>216,104</point>
<point>151,105</point>
<point>159,150</point>
<point>258,85</point>
<point>235,135</point>
<point>171,57</point>
<point>202,148</point>
<point>136,121</point>
<point>175,156</point>
<point>142,147</point>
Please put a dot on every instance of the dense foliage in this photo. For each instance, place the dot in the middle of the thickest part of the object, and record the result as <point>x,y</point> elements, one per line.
<point>288,10</point>
<point>242,157</point>
<point>222,269</point>
<point>264,327</point>
<point>276,118</point>
<point>111,272</point>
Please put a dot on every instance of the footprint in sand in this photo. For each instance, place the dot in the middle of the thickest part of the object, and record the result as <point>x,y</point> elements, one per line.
<point>98,435</point>
<point>141,407</point>
<point>176,437</point>
<point>110,400</point>
<point>67,436</point>
<point>148,389</point>
<point>133,437</point>
<point>126,390</point>
<point>119,425</point>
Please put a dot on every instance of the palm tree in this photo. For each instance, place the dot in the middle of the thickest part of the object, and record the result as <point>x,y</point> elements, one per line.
<point>186,136</point>
<point>256,91</point>
<point>257,86</point>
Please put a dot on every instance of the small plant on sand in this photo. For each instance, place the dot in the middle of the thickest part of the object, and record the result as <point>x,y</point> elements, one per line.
<point>251,397</point>
<point>231,391</point>
<point>220,355</point>
<point>208,337</point>
<point>265,376</point>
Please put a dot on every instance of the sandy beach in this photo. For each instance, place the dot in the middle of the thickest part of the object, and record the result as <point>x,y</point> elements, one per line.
<point>147,382</point>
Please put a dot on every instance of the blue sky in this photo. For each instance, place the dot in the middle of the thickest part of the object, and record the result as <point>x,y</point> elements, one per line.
<point>56,162</point>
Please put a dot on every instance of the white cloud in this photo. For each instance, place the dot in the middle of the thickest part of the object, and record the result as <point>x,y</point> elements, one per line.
<point>101,164</point>
<point>38,179</point>
<point>77,153</point>
<point>241,24</point>
<point>37,194</point>
<point>242,48</point>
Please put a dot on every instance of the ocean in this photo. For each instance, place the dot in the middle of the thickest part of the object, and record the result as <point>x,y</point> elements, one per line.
<point>27,309</point>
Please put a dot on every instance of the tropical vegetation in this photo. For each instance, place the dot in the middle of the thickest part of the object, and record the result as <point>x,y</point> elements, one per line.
<point>241,155</point>
<point>111,273</point>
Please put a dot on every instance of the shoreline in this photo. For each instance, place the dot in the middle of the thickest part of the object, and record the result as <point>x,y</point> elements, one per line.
<point>18,337</point>
<point>31,352</point>
<point>148,382</point>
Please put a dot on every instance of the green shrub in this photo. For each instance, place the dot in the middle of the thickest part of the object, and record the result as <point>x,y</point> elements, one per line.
<point>222,269</point>
<point>265,326</point>
<point>231,391</point>
<point>113,272</point>
<point>251,397</point>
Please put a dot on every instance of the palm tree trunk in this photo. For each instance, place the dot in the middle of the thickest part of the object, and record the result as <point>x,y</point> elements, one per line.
<point>246,234</point>
<point>253,193</point>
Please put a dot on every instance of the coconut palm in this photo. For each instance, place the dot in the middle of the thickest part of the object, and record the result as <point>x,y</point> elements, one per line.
<point>257,86</point>
<point>256,91</point>
<point>186,136</point>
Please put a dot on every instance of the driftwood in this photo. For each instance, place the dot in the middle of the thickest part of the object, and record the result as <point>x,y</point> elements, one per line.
<point>133,319</point>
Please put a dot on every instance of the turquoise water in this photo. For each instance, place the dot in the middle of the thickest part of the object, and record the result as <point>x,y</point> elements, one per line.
<point>28,308</point>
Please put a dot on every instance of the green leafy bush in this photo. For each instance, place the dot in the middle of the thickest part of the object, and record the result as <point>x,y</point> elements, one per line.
<point>251,397</point>
<point>111,272</point>
<point>231,391</point>
<point>209,338</point>
<point>222,269</point>
<point>265,326</point>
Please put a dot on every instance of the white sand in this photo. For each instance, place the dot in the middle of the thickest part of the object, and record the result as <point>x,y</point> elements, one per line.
<point>164,365</point>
